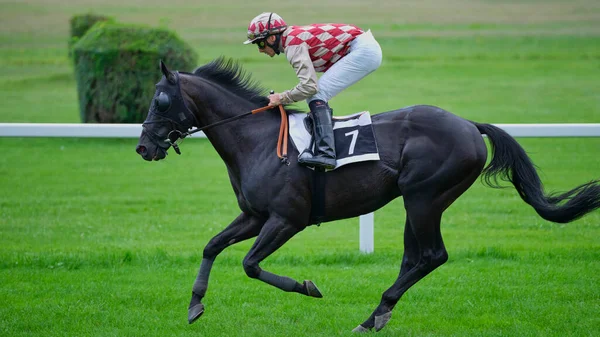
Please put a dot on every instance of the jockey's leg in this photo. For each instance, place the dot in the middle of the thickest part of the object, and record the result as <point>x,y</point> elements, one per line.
<point>324,153</point>
<point>364,57</point>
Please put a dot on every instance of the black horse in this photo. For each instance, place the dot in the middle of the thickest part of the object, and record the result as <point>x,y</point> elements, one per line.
<point>428,155</point>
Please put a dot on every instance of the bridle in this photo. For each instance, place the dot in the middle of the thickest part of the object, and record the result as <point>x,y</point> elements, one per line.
<point>179,136</point>
<point>175,136</point>
<point>172,138</point>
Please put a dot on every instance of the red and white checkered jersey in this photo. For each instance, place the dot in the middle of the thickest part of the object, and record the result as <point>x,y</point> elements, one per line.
<point>327,42</point>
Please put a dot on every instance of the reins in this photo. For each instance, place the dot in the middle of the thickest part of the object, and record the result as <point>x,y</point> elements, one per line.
<point>282,142</point>
<point>283,137</point>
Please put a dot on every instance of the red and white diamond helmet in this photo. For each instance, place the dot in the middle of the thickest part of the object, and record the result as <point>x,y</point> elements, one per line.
<point>263,25</point>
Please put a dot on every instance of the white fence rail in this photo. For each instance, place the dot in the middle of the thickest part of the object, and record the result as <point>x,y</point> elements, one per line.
<point>73,130</point>
<point>134,130</point>
<point>366,229</point>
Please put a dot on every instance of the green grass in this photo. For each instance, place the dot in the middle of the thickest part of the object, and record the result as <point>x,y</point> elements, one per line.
<point>96,242</point>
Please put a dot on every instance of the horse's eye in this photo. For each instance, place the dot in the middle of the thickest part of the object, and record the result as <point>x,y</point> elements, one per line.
<point>163,102</point>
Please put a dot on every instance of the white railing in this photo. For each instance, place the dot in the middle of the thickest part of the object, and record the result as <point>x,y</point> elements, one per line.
<point>367,238</point>
<point>134,130</point>
<point>73,130</point>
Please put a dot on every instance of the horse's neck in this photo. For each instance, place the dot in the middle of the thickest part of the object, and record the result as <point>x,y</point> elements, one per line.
<point>234,141</point>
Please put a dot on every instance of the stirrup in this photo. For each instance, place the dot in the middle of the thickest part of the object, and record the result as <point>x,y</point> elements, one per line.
<point>317,161</point>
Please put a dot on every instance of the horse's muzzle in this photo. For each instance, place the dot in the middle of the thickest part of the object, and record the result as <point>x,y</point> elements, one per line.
<point>143,152</point>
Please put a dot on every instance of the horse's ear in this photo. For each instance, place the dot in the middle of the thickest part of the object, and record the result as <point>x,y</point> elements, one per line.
<point>168,74</point>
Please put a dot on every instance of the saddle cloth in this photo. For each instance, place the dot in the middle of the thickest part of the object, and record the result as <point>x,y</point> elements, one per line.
<point>354,138</point>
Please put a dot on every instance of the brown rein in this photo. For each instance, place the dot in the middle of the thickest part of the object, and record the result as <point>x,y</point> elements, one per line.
<point>282,141</point>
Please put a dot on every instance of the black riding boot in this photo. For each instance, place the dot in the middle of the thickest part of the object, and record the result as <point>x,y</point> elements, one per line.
<point>324,153</point>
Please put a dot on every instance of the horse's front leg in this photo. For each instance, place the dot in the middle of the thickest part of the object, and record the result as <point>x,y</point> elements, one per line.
<point>242,228</point>
<point>273,235</point>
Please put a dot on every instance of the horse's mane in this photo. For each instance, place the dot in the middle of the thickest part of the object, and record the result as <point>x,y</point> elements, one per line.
<point>230,75</point>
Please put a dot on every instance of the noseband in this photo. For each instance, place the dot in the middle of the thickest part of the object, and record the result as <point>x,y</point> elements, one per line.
<point>173,138</point>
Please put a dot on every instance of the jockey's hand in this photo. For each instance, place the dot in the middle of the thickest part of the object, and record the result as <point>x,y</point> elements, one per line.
<point>274,99</point>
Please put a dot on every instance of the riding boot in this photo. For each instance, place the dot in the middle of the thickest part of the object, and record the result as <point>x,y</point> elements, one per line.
<point>324,150</point>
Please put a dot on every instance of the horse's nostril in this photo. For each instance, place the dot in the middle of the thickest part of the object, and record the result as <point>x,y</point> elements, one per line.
<point>140,149</point>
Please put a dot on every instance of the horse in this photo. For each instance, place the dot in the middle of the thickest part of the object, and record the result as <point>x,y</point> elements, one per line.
<point>428,156</point>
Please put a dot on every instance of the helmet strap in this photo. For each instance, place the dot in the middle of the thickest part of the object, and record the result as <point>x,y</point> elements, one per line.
<point>275,46</point>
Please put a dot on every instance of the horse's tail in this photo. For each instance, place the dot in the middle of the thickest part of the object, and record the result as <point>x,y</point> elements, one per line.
<point>511,163</point>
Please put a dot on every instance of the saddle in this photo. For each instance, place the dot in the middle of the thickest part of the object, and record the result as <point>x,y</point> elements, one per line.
<point>354,137</point>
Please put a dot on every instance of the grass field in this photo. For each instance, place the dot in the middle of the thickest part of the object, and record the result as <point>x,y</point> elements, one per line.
<point>96,242</point>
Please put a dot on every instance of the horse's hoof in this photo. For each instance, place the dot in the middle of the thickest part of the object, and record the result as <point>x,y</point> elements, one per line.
<point>195,312</point>
<point>312,289</point>
<point>360,329</point>
<point>381,321</point>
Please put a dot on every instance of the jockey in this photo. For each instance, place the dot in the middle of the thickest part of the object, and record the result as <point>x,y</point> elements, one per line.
<point>344,53</point>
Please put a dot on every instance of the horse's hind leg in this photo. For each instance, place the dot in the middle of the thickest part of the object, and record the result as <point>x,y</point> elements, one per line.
<point>424,248</point>
<point>242,228</point>
<point>426,253</point>
<point>273,235</point>
<point>409,261</point>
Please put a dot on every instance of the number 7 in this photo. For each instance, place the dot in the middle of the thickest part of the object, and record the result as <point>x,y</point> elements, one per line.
<point>354,135</point>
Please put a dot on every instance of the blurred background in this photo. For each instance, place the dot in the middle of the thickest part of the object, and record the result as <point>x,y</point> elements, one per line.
<point>493,61</point>
<point>96,242</point>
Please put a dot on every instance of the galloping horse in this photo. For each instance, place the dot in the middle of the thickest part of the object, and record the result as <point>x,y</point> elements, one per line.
<point>427,155</point>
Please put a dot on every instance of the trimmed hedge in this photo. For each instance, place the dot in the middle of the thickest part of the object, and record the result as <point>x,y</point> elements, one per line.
<point>80,24</point>
<point>116,67</point>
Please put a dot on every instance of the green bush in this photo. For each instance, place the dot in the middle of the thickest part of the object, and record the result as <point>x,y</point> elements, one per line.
<point>116,67</point>
<point>80,24</point>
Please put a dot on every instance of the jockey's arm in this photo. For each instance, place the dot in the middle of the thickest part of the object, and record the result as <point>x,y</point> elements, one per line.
<point>299,58</point>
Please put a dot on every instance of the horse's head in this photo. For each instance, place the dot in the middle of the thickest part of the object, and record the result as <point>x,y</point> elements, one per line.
<point>168,118</point>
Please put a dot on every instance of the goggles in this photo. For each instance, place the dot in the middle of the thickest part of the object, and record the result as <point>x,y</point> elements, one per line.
<point>252,36</point>
<point>261,43</point>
